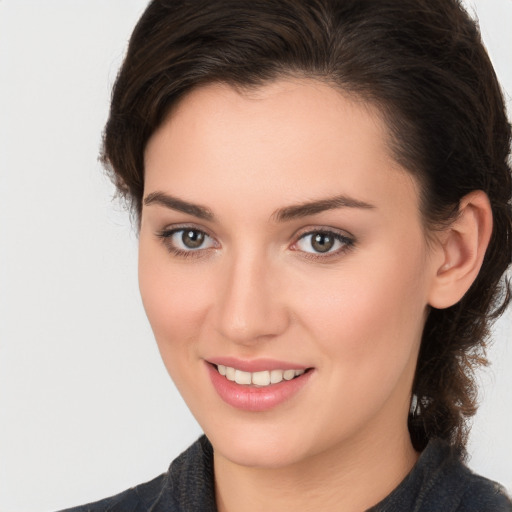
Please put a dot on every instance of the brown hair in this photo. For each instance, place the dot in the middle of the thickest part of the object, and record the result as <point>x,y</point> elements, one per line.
<point>421,62</point>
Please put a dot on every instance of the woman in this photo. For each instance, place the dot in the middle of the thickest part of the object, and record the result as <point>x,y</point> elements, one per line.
<point>322,190</point>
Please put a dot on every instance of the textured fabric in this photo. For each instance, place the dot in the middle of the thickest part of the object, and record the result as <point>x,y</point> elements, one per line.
<point>439,482</point>
<point>186,487</point>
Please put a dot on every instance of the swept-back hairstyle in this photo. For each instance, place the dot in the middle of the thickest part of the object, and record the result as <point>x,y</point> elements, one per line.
<point>421,62</point>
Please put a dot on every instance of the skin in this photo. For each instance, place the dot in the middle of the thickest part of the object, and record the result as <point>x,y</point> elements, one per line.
<point>257,289</point>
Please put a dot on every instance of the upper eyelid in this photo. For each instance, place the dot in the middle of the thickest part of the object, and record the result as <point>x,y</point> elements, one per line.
<point>297,235</point>
<point>167,234</point>
<point>343,236</point>
<point>344,239</point>
<point>323,229</point>
<point>181,227</point>
<point>302,230</point>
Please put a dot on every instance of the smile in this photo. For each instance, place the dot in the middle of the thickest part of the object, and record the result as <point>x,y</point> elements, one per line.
<point>265,387</point>
<point>260,379</point>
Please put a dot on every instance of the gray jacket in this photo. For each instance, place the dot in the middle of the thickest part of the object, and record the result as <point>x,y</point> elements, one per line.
<point>439,482</point>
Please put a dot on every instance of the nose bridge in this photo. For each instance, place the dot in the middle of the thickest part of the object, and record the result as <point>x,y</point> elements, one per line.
<point>249,308</point>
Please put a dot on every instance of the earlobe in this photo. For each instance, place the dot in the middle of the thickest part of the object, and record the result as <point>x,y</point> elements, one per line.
<point>461,250</point>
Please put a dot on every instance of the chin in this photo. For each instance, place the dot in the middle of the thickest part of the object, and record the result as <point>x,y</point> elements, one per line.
<point>258,447</point>
<point>257,455</point>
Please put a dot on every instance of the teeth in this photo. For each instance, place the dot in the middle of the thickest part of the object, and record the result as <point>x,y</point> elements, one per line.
<point>242,377</point>
<point>230,373</point>
<point>276,376</point>
<point>264,378</point>
<point>261,378</point>
<point>288,374</point>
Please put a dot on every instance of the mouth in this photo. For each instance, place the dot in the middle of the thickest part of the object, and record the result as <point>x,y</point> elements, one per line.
<point>262,389</point>
<point>258,379</point>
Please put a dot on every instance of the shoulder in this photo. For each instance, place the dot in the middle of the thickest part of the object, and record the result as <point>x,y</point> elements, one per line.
<point>136,499</point>
<point>441,481</point>
<point>483,495</point>
<point>453,485</point>
<point>187,485</point>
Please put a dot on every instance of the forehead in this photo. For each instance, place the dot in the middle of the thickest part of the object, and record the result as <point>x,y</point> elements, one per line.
<point>288,140</point>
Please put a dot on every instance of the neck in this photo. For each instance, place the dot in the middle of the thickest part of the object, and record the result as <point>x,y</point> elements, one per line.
<point>352,477</point>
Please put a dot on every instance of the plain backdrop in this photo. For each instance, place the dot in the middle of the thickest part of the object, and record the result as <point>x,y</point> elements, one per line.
<point>86,406</point>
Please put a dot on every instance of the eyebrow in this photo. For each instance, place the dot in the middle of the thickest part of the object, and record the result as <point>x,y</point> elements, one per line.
<point>201,212</point>
<point>321,205</point>
<point>281,215</point>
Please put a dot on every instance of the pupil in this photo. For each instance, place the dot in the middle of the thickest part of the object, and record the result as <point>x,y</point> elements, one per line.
<point>192,239</point>
<point>322,242</point>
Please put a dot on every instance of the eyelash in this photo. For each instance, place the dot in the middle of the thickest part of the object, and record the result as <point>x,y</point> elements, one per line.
<point>166,237</point>
<point>347,243</point>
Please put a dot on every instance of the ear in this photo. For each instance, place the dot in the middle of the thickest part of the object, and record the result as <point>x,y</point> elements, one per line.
<point>461,250</point>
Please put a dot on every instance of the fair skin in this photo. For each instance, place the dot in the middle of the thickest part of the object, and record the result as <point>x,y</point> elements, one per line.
<point>230,269</point>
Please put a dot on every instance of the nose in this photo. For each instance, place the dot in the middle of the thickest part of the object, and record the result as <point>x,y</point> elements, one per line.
<point>251,305</point>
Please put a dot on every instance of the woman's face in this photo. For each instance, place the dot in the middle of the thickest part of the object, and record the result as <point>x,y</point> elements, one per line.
<point>279,239</point>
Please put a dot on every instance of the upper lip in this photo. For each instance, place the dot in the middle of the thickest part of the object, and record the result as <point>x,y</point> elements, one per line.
<point>255,365</point>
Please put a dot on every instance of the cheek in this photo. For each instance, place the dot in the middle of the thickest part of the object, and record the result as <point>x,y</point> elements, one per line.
<point>367,315</point>
<point>175,303</point>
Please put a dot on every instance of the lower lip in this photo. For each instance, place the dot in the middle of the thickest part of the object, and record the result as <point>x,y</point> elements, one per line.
<point>249,398</point>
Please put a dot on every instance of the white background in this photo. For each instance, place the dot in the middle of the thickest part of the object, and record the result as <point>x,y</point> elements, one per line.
<point>86,407</point>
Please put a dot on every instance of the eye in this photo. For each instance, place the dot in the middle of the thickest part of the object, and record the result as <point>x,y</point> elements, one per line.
<point>183,241</point>
<point>323,242</point>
